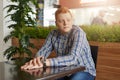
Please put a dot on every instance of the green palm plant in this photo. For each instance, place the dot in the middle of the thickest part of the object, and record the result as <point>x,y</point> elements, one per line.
<point>20,18</point>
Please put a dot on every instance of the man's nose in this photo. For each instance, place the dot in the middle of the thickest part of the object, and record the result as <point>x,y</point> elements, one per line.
<point>65,22</point>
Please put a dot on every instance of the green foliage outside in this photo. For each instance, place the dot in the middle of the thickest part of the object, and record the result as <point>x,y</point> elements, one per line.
<point>107,33</point>
<point>38,32</point>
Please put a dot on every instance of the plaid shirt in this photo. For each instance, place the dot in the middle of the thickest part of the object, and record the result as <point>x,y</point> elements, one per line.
<point>71,49</point>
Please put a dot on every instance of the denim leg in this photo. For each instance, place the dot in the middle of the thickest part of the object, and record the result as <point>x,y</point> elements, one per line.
<point>81,76</point>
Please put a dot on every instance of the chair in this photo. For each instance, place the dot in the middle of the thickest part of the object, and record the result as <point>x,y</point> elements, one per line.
<point>94,52</point>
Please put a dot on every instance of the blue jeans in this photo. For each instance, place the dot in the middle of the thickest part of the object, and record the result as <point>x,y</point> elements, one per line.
<point>78,76</point>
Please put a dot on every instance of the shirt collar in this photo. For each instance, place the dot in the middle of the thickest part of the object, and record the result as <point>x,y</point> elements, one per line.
<point>65,35</point>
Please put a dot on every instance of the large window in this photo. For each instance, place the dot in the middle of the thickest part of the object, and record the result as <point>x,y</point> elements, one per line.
<point>85,15</point>
<point>86,12</point>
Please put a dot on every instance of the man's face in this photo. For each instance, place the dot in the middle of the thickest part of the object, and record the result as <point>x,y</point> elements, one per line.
<point>64,22</point>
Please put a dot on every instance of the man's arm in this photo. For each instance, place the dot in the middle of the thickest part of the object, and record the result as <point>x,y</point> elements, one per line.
<point>47,48</point>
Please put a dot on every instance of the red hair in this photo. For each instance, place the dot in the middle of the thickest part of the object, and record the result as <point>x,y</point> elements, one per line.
<point>62,10</point>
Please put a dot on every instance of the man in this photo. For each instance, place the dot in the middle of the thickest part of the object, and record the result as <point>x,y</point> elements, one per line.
<point>70,45</point>
<point>98,20</point>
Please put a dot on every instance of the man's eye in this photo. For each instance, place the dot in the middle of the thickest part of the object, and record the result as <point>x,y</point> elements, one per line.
<point>68,20</point>
<point>60,21</point>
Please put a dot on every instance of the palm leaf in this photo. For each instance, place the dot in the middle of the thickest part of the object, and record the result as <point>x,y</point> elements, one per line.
<point>10,52</point>
<point>11,7</point>
<point>28,51</point>
<point>7,38</point>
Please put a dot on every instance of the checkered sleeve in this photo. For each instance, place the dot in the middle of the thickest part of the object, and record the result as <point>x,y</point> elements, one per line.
<point>47,47</point>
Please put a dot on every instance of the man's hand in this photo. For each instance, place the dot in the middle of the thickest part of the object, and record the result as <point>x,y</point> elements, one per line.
<point>34,63</point>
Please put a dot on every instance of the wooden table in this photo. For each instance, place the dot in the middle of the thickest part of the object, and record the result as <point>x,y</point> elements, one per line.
<point>11,72</point>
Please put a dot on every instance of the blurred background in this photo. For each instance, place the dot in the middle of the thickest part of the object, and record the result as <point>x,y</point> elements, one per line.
<point>84,11</point>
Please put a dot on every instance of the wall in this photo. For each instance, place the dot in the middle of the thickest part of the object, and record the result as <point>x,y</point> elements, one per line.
<point>70,3</point>
<point>3,28</point>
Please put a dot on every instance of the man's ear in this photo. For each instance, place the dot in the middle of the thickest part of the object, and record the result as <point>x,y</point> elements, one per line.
<point>56,23</point>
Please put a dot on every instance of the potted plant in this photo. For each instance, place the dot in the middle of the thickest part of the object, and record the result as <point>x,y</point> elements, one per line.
<point>19,14</point>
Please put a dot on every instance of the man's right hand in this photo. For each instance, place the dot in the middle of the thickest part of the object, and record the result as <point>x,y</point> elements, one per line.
<point>34,63</point>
